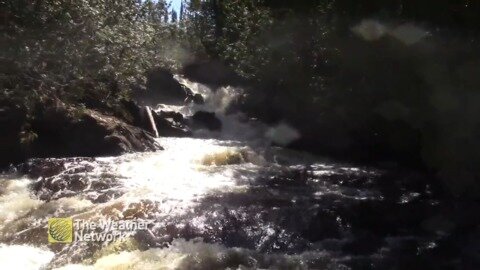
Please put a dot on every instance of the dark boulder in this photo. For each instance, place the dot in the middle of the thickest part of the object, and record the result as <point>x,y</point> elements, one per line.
<point>198,99</point>
<point>171,124</point>
<point>175,116</point>
<point>206,120</point>
<point>161,88</point>
<point>44,168</point>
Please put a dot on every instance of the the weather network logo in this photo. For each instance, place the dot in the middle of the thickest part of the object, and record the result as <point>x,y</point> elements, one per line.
<point>67,230</point>
<point>60,230</point>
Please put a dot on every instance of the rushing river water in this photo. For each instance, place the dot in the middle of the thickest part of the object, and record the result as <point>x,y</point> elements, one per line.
<point>226,200</point>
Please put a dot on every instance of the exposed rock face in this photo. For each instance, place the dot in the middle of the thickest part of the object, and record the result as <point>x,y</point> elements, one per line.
<point>64,131</point>
<point>135,112</point>
<point>162,88</point>
<point>92,134</point>
<point>206,120</point>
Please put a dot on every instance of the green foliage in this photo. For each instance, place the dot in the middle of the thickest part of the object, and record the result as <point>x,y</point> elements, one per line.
<point>233,31</point>
<point>76,49</point>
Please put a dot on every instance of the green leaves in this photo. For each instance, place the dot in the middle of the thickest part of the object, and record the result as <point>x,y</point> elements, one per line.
<point>60,47</point>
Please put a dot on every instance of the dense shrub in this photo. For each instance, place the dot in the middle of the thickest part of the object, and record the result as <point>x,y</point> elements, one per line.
<point>85,53</point>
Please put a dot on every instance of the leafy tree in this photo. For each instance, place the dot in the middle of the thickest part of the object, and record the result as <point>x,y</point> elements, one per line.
<point>85,53</point>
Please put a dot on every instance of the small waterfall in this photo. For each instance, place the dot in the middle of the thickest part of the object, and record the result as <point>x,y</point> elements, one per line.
<point>152,121</point>
<point>235,125</point>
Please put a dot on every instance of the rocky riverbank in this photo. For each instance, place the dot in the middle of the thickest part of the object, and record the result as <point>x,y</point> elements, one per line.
<point>55,129</point>
<point>61,130</point>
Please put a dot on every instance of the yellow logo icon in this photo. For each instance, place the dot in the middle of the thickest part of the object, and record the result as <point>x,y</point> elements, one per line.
<point>60,230</point>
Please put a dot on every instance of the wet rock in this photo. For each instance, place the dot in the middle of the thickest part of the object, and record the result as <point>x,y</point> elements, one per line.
<point>171,124</point>
<point>43,167</point>
<point>175,116</point>
<point>147,239</point>
<point>195,98</point>
<point>67,177</point>
<point>162,88</point>
<point>104,197</point>
<point>168,128</point>
<point>198,99</point>
<point>206,120</point>
<point>60,186</point>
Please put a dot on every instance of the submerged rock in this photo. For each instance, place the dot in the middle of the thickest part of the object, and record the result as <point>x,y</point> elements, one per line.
<point>36,168</point>
<point>67,177</point>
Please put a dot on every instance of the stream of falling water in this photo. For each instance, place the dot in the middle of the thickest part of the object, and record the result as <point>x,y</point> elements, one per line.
<point>217,201</point>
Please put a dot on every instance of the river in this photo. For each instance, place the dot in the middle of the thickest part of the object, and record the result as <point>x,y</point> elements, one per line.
<point>224,200</point>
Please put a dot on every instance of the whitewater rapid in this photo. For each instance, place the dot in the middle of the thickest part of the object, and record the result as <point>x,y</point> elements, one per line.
<point>219,200</point>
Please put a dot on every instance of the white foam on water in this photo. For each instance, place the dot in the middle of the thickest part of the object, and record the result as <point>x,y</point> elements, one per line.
<point>24,257</point>
<point>15,200</point>
<point>215,101</point>
<point>185,255</point>
<point>176,176</point>
<point>164,183</point>
<point>37,217</point>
